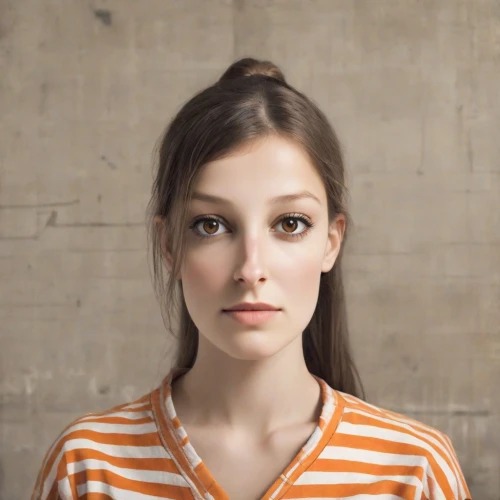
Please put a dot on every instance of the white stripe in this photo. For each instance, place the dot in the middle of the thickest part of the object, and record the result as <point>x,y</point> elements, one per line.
<point>118,451</point>
<point>193,457</point>
<point>64,489</point>
<point>113,492</point>
<point>169,405</point>
<point>411,425</point>
<point>130,415</point>
<point>181,433</point>
<point>375,458</point>
<point>395,437</point>
<point>149,476</point>
<point>370,456</point>
<point>407,423</point>
<point>106,428</point>
<point>132,406</point>
<point>356,401</point>
<point>341,478</point>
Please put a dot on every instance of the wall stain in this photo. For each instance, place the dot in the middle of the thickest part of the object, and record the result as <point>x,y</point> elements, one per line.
<point>51,221</point>
<point>104,16</point>
<point>104,389</point>
<point>109,162</point>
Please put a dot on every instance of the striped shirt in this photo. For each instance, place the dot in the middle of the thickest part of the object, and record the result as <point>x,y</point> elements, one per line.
<point>140,451</point>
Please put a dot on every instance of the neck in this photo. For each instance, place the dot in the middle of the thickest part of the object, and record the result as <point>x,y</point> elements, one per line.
<point>258,397</point>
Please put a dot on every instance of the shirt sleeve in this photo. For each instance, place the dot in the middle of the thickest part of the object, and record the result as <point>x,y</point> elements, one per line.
<point>447,478</point>
<point>53,481</point>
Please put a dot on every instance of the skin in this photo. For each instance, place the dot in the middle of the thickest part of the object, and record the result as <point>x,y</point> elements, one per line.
<point>247,380</point>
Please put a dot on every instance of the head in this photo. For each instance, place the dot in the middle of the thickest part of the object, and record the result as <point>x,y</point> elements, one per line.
<point>246,140</point>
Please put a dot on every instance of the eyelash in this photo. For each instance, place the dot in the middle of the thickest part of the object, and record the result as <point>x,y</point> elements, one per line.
<point>309,224</point>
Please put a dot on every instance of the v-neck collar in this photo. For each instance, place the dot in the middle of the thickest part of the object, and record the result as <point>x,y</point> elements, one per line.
<point>197,475</point>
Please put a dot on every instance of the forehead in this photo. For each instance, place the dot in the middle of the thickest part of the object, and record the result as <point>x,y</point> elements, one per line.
<point>262,169</point>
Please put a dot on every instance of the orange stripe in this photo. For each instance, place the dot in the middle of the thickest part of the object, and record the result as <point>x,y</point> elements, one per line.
<point>326,465</point>
<point>364,420</point>
<point>146,464</point>
<point>382,445</point>
<point>113,438</point>
<point>111,479</point>
<point>405,491</point>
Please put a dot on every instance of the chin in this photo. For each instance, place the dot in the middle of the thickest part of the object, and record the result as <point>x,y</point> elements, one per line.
<point>253,346</point>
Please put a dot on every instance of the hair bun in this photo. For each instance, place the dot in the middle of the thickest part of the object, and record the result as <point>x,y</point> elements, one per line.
<point>249,66</point>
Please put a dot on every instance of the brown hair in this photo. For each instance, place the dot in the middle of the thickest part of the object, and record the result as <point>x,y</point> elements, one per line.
<point>250,100</point>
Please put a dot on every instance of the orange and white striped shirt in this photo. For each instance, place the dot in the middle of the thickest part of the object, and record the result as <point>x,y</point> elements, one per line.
<point>140,451</point>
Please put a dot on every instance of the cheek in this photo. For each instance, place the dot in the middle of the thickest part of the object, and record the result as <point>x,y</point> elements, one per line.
<point>300,280</point>
<point>203,278</point>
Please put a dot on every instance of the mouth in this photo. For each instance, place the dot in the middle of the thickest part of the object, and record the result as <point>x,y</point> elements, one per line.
<point>252,317</point>
<point>249,310</point>
<point>252,306</point>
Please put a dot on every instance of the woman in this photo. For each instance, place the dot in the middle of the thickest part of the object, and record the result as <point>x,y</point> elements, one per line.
<point>249,219</point>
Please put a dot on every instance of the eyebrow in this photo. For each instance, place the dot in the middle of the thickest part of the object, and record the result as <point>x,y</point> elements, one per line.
<point>284,198</point>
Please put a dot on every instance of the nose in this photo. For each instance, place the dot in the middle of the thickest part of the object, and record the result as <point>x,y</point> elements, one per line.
<point>251,268</point>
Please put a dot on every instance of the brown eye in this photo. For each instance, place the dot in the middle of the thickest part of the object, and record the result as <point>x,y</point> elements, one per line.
<point>206,227</point>
<point>290,223</point>
<point>210,226</point>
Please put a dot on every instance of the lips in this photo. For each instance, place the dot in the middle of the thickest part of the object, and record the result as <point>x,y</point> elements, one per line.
<point>249,306</point>
<point>252,317</point>
<point>252,309</point>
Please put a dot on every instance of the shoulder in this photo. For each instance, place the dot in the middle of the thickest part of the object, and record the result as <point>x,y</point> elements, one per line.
<point>93,438</point>
<point>130,421</point>
<point>381,420</point>
<point>382,436</point>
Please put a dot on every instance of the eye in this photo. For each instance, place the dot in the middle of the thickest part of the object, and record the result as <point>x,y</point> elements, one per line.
<point>289,222</point>
<point>210,223</point>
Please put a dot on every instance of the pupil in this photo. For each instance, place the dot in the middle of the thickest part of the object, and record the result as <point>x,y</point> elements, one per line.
<point>212,223</point>
<point>293,223</point>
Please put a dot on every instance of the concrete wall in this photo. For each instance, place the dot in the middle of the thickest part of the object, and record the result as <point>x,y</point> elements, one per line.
<point>86,87</point>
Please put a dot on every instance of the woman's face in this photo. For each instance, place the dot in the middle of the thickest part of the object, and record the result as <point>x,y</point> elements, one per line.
<point>257,250</point>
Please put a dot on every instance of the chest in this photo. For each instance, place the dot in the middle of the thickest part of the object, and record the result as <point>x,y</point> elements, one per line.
<point>246,470</point>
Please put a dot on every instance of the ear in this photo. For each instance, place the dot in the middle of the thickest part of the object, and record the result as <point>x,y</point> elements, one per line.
<point>334,242</point>
<point>167,257</point>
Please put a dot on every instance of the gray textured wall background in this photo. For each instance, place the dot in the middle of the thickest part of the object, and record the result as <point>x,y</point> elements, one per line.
<point>413,88</point>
